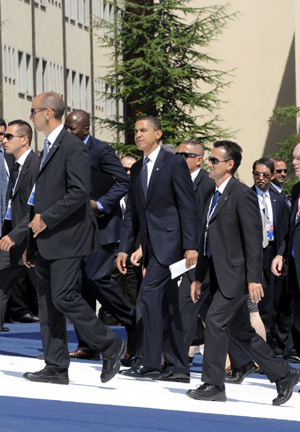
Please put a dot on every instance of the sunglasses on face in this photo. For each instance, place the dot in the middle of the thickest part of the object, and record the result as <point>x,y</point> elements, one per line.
<point>10,136</point>
<point>216,161</point>
<point>187,155</point>
<point>1,133</point>
<point>258,174</point>
<point>279,171</point>
<point>33,111</point>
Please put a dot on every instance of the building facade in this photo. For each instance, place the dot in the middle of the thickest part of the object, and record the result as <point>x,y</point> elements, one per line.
<point>52,45</point>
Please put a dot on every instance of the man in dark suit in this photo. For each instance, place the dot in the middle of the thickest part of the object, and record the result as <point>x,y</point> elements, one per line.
<point>16,142</point>
<point>290,251</point>
<point>96,281</point>
<point>231,247</point>
<point>203,186</point>
<point>62,232</point>
<point>161,207</point>
<point>273,223</point>
<point>282,309</point>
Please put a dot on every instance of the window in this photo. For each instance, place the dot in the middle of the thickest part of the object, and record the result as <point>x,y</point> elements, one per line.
<point>21,72</point>
<point>74,89</point>
<point>29,77</point>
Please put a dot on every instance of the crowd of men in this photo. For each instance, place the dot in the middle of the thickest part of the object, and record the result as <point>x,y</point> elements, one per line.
<point>76,214</point>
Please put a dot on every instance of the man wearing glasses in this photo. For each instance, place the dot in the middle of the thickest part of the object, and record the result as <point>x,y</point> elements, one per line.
<point>203,186</point>
<point>62,232</point>
<point>16,142</point>
<point>280,174</point>
<point>231,249</point>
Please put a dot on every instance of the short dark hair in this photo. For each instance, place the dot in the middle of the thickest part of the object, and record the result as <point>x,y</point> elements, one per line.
<point>264,161</point>
<point>24,128</point>
<point>233,150</point>
<point>155,122</point>
<point>2,122</point>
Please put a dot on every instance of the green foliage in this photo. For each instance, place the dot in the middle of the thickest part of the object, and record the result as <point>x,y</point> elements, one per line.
<point>160,66</point>
<point>282,116</point>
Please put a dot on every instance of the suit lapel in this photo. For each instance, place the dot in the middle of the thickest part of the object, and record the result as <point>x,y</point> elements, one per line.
<point>22,173</point>
<point>53,149</point>
<point>225,196</point>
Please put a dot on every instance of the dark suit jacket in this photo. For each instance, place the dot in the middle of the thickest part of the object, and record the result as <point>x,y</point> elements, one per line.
<point>17,228</point>
<point>203,187</point>
<point>235,234</point>
<point>293,239</point>
<point>103,159</point>
<point>62,199</point>
<point>169,216</point>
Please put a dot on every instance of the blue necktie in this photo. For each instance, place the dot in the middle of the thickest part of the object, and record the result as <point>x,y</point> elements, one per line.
<point>46,151</point>
<point>214,203</point>
<point>144,177</point>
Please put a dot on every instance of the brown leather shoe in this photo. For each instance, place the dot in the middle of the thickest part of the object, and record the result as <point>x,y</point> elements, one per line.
<point>82,355</point>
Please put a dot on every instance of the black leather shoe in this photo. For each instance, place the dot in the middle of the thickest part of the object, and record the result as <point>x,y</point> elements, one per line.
<point>292,359</point>
<point>130,361</point>
<point>47,376</point>
<point>140,371</point>
<point>208,392</point>
<point>27,318</point>
<point>82,355</point>
<point>285,386</point>
<point>174,377</point>
<point>112,363</point>
<point>237,376</point>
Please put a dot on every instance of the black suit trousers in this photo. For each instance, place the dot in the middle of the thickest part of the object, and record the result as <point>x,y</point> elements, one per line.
<point>96,283</point>
<point>162,326</point>
<point>59,300</point>
<point>230,316</point>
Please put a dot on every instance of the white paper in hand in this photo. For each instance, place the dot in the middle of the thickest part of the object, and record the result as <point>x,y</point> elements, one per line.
<point>178,268</point>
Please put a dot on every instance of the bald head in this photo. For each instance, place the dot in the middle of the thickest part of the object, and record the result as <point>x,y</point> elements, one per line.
<point>78,123</point>
<point>193,152</point>
<point>127,162</point>
<point>54,102</point>
<point>296,160</point>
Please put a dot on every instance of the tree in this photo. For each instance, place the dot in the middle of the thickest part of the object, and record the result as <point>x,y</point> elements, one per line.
<point>281,116</point>
<point>160,66</point>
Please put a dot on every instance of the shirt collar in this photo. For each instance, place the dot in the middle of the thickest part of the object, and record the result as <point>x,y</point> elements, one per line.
<point>277,187</point>
<point>22,158</point>
<point>223,185</point>
<point>194,174</point>
<point>54,134</point>
<point>86,140</point>
<point>153,155</point>
<point>260,192</point>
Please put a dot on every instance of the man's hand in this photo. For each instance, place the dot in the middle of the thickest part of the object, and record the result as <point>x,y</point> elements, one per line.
<point>6,243</point>
<point>136,256</point>
<point>196,290</point>
<point>27,263</point>
<point>277,265</point>
<point>37,225</point>
<point>256,291</point>
<point>121,262</point>
<point>191,257</point>
<point>94,207</point>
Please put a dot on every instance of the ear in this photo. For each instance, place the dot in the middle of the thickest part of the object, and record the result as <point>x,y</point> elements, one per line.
<point>230,164</point>
<point>158,134</point>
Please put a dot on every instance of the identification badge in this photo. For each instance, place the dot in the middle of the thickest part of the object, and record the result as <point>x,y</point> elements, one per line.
<point>31,198</point>
<point>270,232</point>
<point>8,211</point>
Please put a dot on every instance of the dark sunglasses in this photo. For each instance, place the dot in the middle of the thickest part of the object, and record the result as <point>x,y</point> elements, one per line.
<point>279,171</point>
<point>9,136</point>
<point>36,110</point>
<point>1,133</point>
<point>216,161</point>
<point>187,155</point>
<point>258,174</point>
